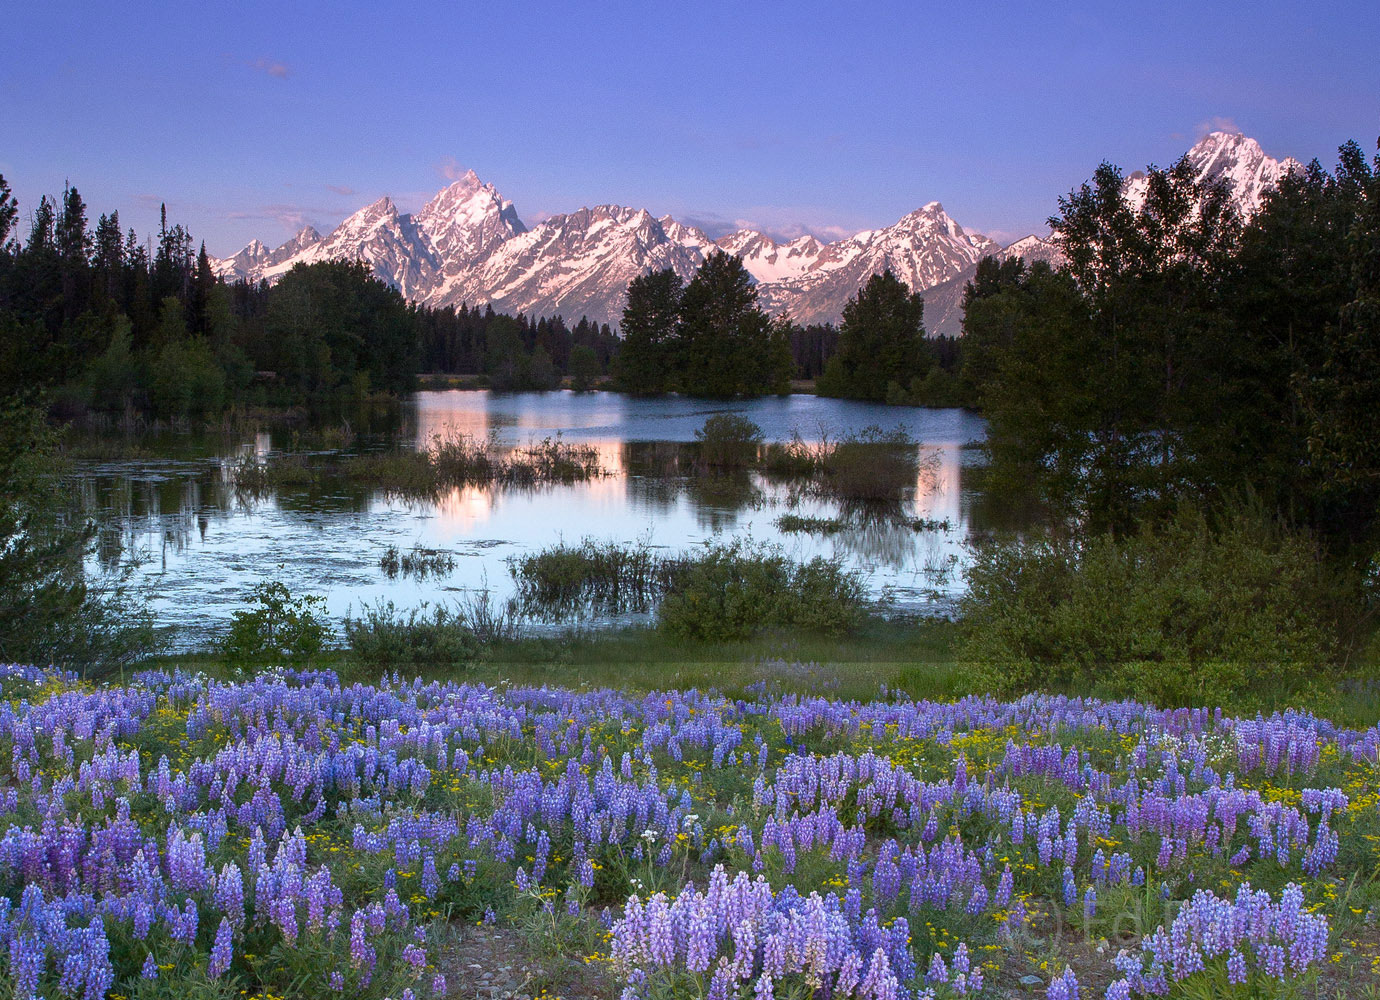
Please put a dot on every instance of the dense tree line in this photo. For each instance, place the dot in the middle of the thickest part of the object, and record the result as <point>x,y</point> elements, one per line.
<point>111,323</point>
<point>706,338</point>
<point>515,353</point>
<point>1183,353</point>
<point>106,322</point>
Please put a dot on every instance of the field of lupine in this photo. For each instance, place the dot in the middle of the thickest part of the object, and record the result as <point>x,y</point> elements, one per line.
<point>284,835</point>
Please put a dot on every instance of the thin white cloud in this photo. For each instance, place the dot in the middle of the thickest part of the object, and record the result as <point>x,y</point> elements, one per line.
<point>451,169</point>
<point>272,67</point>
<point>290,217</point>
<point>340,189</point>
<point>1217,123</point>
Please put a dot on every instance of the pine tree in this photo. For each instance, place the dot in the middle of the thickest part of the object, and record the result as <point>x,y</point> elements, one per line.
<point>646,362</point>
<point>729,346</point>
<point>881,347</point>
<point>108,256</point>
<point>9,212</point>
<point>73,242</point>
<point>202,283</point>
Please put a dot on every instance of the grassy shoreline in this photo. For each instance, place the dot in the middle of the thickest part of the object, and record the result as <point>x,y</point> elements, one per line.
<point>917,658</point>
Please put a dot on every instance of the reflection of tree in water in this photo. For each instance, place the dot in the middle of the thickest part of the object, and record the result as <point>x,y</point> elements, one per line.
<point>654,473</point>
<point>143,511</point>
<point>660,473</point>
<point>986,510</point>
<point>877,537</point>
<point>719,498</point>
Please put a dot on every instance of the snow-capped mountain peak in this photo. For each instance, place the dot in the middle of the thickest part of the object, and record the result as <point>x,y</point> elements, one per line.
<point>1231,157</point>
<point>468,245</point>
<point>468,219</point>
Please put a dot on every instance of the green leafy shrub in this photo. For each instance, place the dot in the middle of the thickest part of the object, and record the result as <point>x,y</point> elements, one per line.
<point>728,440</point>
<point>388,638</point>
<point>730,591</point>
<point>278,627</point>
<point>1190,611</point>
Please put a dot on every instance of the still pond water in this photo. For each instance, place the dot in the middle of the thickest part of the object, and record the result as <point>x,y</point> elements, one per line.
<point>197,545</point>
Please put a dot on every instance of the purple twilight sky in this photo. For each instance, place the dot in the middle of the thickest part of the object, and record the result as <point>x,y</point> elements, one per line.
<point>252,119</point>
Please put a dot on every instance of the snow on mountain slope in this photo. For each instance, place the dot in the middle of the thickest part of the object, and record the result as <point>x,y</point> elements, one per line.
<point>768,261</point>
<point>468,245</point>
<point>1231,157</point>
<point>577,264</point>
<point>923,249</point>
<point>256,259</point>
<point>467,221</point>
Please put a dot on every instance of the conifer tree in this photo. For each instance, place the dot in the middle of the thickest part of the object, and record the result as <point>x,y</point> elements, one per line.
<point>9,212</point>
<point>646,363</point>
<point>729,346</point>
<point>881,347</point>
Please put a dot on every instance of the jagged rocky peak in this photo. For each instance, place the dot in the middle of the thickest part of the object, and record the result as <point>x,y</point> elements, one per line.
<point>468,220</point>
<point>374,214</point>
<point>468,245</point>
<point>745,240</point>
<point>469,216</point>
<point>307,236</point>
<point>1239,160</point>
<point>1233,158</point>
<point>1034,248</point>
<point>685,235</point>
<point>931,218</point>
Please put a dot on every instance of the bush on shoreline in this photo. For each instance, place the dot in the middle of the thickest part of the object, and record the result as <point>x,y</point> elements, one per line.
<point>729,591</point>
<point>1190,611</point>
<point>386,638</point>
<point>719,592</point>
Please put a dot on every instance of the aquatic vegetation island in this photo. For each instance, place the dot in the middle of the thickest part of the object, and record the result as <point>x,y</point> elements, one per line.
<point>284,834</point>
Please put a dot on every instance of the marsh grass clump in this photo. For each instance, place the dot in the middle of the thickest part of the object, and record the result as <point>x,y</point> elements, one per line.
<point>251,477</point>
<point>874,466</point>
<point>491,621</point>
<point>718,592</point>
<point>408,473</point>
<point>801,524</point>
<point>868,468</point>
<point>807,525</point>
<point>457,460</point>
<point>552,460</point>
<point>614,578</point>
<point>417,563</point>
<point>794,458</point>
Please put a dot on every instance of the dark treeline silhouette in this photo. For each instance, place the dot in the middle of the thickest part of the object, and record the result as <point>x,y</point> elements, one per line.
<point>106,322</point>
<point>1183,353</point>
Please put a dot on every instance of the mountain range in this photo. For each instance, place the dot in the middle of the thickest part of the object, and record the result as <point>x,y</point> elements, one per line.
<point>468,245</point>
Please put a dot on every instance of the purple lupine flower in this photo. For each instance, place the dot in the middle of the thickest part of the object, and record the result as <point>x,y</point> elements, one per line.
<point>1065,987</point>
<point>221,950</point>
